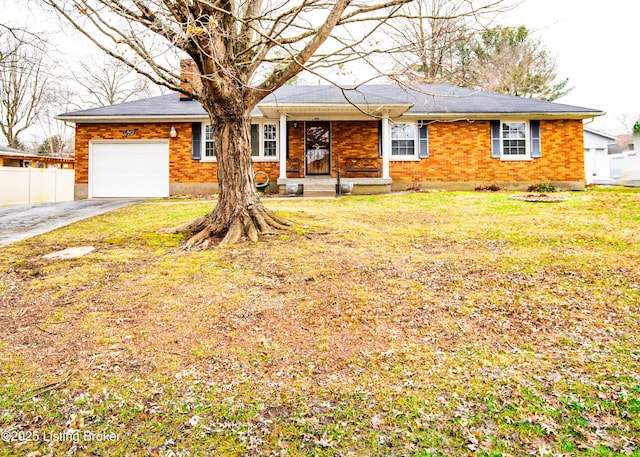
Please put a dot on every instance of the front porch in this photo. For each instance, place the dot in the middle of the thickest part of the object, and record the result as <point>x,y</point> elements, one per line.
<point>327,186</point>
<point>330,157</point>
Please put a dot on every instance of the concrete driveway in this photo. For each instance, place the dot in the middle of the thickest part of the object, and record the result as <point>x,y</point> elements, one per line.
<point>24,221</point>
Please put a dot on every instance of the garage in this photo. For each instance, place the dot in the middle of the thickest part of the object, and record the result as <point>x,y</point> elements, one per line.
<point>128,169</point>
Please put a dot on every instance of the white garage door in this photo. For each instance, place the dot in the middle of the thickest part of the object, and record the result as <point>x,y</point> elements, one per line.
<point>129,169</point>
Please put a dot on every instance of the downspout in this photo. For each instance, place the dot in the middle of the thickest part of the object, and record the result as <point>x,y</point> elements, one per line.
<point>338,174</point>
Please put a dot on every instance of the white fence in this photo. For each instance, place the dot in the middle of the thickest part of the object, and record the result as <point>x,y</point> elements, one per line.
<point>35,185</point>
<point>625,167</point>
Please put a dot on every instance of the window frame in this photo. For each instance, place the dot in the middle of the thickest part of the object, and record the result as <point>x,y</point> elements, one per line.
<point>260,157</point>
<point>416,142</point>
<point>204,157</point>
<point>527,141</point>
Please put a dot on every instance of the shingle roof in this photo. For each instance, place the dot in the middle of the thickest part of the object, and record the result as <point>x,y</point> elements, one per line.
<point>15,153</point>
<point>605,135</point>
<point>10,150</point>
<point>165,106</point>
<point>427,99</point>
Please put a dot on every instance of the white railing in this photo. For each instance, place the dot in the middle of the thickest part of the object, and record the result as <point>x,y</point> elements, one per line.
<point>35,185</point>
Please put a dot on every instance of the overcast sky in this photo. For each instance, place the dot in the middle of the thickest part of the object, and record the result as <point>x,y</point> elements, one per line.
<point>596,44</point>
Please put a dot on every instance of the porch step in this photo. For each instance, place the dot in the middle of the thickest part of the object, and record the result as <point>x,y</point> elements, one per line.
<point>319,190</point>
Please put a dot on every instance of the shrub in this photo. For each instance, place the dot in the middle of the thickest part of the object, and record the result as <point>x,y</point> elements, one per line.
<point>542,187</point>
<point>489,188</point>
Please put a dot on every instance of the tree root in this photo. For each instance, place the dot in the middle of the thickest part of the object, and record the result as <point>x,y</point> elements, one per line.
<point>184,228</point>
<point>199,238</point>
<point>250,229</point>
<point>233,235</point>
<point>207,232</point>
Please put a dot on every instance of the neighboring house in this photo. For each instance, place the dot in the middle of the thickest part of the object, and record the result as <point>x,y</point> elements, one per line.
<point>625,164</point>
<point>14,158</point>
<point>378,137</point>
<point>31,178</point>
<point>611,160</point>
<point>597,168</point>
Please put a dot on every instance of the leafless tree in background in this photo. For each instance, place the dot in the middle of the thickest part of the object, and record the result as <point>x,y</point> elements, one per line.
<point>436,37</point>
<point>23,84</point>
<point>58,134</point>
<point>508,60</point>
<point>450,41</point>
<point>109,82</point>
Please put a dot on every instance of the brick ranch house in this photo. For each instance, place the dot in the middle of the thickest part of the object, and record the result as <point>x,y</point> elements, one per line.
<point>380,138</point>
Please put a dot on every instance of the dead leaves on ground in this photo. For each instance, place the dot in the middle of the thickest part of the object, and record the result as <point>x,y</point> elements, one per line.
<point>433,323</point>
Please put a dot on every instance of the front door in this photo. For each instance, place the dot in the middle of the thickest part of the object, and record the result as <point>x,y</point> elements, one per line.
<point>318,148</point>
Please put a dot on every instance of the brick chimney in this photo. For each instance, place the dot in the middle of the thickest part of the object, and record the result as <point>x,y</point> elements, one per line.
<point>189,71</point>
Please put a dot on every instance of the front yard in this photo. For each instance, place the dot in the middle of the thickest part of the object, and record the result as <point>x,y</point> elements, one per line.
<point>418,324</point>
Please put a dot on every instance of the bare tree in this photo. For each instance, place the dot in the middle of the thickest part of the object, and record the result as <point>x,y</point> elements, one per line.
<point>109,82</point>
<point>243,50</point>
<point>23,82</point>
<point>509,61</point>
<point>436,37</point>
<point>10,38</point>
<point>8,48</point>
<point>58,135</point>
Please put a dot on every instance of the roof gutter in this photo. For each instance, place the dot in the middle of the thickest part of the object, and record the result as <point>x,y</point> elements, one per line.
<point>131,119</point>
<point>273,111</point>
<point>485,116</point>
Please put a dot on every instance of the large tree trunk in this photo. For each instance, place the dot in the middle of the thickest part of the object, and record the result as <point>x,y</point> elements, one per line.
<point>239,212</point>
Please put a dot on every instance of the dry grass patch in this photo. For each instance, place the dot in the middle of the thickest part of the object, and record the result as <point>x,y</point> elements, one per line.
<point>419,324</point>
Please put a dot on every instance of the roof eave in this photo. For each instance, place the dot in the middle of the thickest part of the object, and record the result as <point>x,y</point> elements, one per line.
<point>496,115</point>
<point>131,119</point>
<point>274,111</point>
<point>313,109</point>
<point>25,156</point>
<point>600,134</point>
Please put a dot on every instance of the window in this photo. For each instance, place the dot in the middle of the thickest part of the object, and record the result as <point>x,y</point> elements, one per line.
<point>515,140</point>
<point>209,144</point>
<point>403,140</point>
<point>409,141</point>
<point>270,140</point>
<point>255,140</point>
<point>264,141</point>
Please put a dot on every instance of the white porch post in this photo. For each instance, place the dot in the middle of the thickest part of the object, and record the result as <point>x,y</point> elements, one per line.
<point>386,146</point>
<point>283,146</point>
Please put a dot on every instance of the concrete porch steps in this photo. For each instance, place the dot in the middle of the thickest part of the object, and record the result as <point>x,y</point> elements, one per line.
<point>319,190</point>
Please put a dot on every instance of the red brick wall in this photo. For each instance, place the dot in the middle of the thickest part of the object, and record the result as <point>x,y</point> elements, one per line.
<point>182,169</point>
<point>354,139</point>
<point>458,151</point>
<point>461,151</point>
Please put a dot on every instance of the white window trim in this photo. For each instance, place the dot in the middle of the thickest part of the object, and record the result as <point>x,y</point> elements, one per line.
<point>527,142</point>
<point>203,147</point>
<point>260,157</point>
<point>415,157</point>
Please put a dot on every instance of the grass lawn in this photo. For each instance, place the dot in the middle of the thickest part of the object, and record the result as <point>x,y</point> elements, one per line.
<point>422,324</point>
